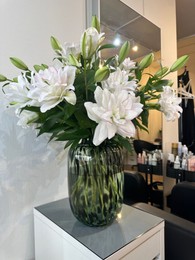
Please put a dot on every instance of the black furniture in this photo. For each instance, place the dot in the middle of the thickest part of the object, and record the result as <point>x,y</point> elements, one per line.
<point>142,145</point>
<point>182,200</point>
<point>179,234</point>
<point>135,188</point>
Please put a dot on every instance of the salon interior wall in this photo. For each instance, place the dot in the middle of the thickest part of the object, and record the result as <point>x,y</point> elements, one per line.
<point>31,172</point>
<point>155,10</point>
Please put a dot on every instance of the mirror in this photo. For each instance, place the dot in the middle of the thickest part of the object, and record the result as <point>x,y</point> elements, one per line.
<point>186,79</point>
<point>121,23</point>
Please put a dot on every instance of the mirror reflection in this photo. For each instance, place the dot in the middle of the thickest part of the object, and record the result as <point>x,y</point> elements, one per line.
<point>121,23</point>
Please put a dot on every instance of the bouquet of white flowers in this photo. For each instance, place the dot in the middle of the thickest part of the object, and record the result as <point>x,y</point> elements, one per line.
<point>81,96</point>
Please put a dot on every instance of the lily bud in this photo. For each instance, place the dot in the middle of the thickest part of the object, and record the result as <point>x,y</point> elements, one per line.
<point>55,44</point>
<point>37,68</point>
<point>95,23</point>
<point>90,41</point>
<point>73,61</point>
<point>146,61</point>
<point>18,63</point>
<point>2,78</point>
<point>179,63</point>
<point>161,72</point>
<point>124,52</point>
<point>102,74</point>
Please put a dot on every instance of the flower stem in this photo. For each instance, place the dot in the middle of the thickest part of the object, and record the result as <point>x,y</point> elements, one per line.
<point>85,78</point>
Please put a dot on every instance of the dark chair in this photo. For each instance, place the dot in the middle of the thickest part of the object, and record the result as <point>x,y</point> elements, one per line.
<point>141,145</point>
<point>182,201</point>
<point>135,188</point>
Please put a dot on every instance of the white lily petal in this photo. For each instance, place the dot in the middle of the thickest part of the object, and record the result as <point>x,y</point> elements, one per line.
<point>70,97</point>
<point>100,133</point>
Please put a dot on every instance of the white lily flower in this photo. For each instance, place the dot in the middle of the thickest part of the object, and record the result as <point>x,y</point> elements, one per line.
<point>17,92</point>
<point>114,113</point>
<point>128,64</point>
<point>119,79</point>
<point>90,40</point>
<point>52,86</point>
<point>70,48</point>
<point>169,103</point>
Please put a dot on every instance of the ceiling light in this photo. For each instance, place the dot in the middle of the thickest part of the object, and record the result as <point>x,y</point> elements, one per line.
<point>135,48</point>
<point>117,41</point>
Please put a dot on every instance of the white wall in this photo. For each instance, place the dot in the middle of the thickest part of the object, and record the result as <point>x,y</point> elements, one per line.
<point>31,172</point>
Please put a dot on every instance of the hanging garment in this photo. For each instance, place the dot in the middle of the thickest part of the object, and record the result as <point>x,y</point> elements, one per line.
<point>187,119</point>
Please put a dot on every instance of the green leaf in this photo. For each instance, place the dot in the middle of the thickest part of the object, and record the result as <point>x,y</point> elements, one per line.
<point>138,74</point>
<point>83,119</point>
<point>107,46</point>
<point>137,123</point>
<point>73,134</point>
<point>110,61</point>
<point>159,84</point>
<point>144,117</point>
<point>179,63</point>
<point>124,142</point>
<point>18,63</point>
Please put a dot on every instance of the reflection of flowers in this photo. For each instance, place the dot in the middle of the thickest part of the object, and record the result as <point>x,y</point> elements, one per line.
<point>169,103</point>
<point>77,99</point>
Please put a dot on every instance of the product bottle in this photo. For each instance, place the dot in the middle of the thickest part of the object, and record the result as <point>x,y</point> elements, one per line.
<point>185,150</point>
<point>149,159</point>
<point>144,158</point>
<point>177,163</point>
<point>139,158</point>
<point>170,159</point>
<point>154,160</point>
<point>174,148</point>
<point>179,149</point>
<point>184,164</point>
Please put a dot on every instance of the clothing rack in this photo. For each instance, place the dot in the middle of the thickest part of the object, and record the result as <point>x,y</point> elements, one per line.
<point>184,90</point>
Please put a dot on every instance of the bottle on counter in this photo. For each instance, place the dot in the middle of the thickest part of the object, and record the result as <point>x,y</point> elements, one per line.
<point>174,149</point>
<point>154,160</point>
<point>177,163</point>
<point>179,152</point>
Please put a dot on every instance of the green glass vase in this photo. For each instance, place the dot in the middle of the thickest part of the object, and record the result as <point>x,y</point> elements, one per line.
<point>95,183</point>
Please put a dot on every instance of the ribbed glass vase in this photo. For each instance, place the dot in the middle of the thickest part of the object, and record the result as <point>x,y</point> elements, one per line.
<point>95,182</point>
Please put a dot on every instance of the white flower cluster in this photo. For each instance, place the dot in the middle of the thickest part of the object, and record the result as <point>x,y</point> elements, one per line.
<point>169,103</point>
<point>116,102</point>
